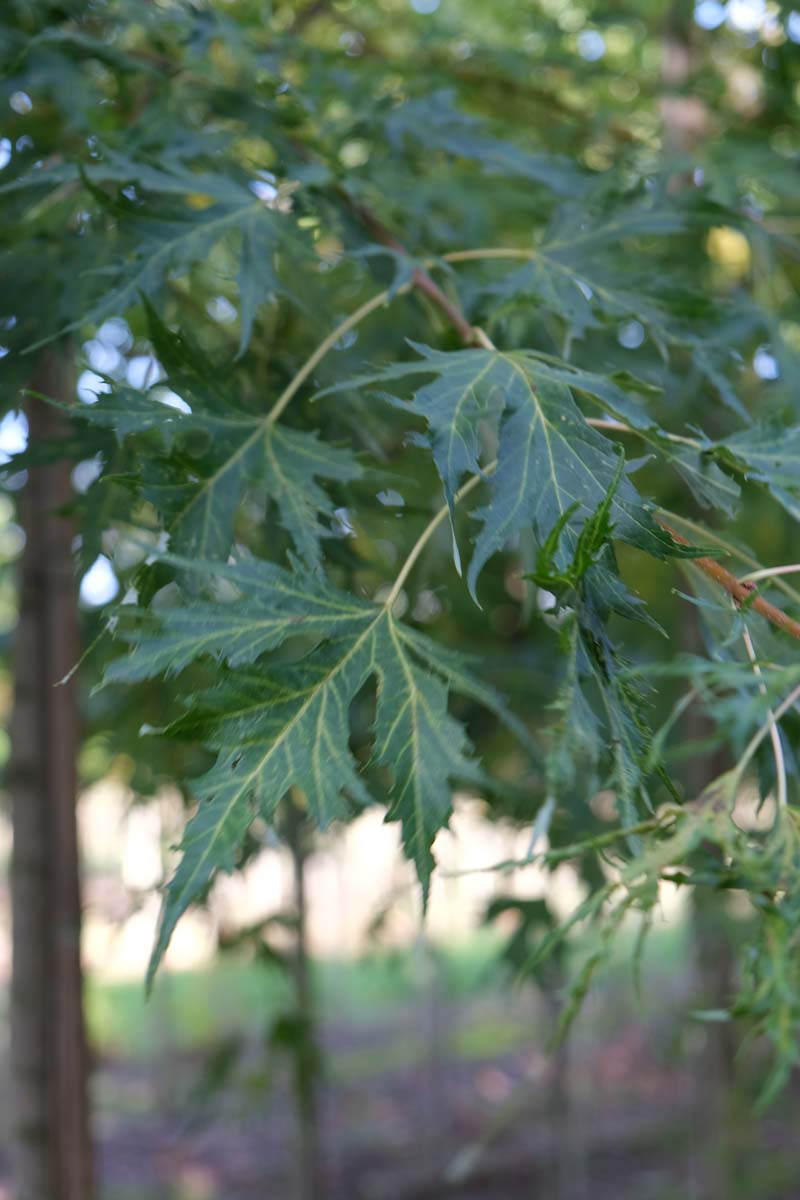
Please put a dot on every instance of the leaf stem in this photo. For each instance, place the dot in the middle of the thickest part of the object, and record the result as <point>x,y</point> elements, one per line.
<point>482,339</point>
<point>775,737</point>
<point>419,277</point>
<point>327,344</point>
<point>620,427</point>
<point>563,853</point>
<point>608,423</point>
<point>759,736</point>
<point>456,256</point>
<point>430,529</point>
<point>769,572</point>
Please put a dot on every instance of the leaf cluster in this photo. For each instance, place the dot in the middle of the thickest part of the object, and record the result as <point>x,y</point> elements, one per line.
<point>268,209</point>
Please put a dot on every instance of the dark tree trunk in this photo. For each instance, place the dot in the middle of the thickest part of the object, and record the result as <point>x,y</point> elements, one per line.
<point>716,1131</point>
<point>50,1152</point>
<point>308,1169</point>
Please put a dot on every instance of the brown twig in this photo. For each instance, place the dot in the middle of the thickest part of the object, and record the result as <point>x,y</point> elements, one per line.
<point>741,592</point>
<point>317,8</point>
<point>422,279</point>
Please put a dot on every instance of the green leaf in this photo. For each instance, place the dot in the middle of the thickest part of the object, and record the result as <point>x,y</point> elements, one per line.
<point>614,395</point>
<point>710,486</point>
<point>275,726</point>
<point>589,544</point>
<point>770,454</point>
<point>611,728</point>
<point>434,123</point>
<point>602,733</point>
<point>577,271</point>
<point>423,746</point>
<point>211,843</point>
<point>618,393</point>
<point>181,221</point>
<point>266,605</point>
<point>199,495</point>
<point>128,411</point>
<point>548,460</point>
<point>580,273</point>
<point>199,484</point>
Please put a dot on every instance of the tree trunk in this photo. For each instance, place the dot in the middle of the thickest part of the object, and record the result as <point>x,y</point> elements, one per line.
<point>568,1165</point>
<point>308,1172</point>
<point>716,1130</point>
<point>50,1151</point>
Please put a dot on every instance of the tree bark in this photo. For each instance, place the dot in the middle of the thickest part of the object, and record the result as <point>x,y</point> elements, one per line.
<point>308,1167</point>
<point>715,1128</point>
<point>50,1151</point>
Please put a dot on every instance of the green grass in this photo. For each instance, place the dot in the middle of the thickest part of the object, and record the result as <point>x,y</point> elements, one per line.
<point>190,1009</point>
<point>193,1009</point>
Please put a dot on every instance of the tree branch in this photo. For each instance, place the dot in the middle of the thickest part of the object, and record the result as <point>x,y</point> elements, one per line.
<point>742,592</point>
<point>420,277</point>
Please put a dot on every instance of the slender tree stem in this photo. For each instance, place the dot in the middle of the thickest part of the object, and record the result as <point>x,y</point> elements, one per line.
<point>710,535</point>
<point>620,427</point>
<point>759,736</point>
<point>564,853</point>
<point>428,532</point>
<point>308,1159</point>
<point>50,1150</point>
<point>774,733</point>
<point>769,572</point>
<point>327,344</point>
<point>487,252</point>
<point>741,592</point>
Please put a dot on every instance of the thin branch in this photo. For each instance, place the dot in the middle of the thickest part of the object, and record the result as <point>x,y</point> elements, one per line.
<point>564,853</point>
<point>759,736</point>
<point>482,339</point>
<point>453,313</point>
<point>742,593</point>
<point>420,277</point>
<point>487,252</point>
<point>430,529</point>
<point>327,344</point>
<point>710,535</point>
<point>775,737</point>
<point>769,572</point>
<point>620,427</point>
